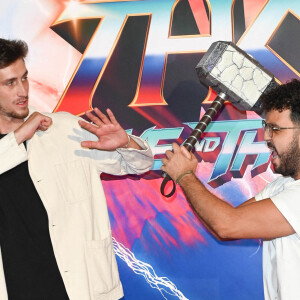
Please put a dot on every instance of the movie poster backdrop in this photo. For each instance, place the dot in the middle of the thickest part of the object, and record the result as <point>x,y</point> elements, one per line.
<point>138,58</point>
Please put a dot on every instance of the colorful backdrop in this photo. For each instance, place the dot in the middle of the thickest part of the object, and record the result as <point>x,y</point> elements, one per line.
<point>139,58</point>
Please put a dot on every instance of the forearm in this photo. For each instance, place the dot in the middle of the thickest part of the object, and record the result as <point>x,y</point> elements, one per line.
<point>212,232</point>
<point>35,122</point>
<point>20,135</point>
<point>215,213</point>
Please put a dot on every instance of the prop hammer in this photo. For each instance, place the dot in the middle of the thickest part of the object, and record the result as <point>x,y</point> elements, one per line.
<point>236,77</point>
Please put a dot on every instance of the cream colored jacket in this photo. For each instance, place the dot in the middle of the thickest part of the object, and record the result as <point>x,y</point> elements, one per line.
<point>66,177</point>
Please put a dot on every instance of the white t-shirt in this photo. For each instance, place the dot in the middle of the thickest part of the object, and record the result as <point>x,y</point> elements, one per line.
<point>281,256</point>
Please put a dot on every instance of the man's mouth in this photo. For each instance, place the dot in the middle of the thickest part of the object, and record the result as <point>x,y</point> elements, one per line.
<point>274,152</point>
<point>22,102</point>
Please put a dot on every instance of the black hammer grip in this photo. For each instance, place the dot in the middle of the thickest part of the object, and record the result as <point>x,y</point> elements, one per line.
<point>194,136</point>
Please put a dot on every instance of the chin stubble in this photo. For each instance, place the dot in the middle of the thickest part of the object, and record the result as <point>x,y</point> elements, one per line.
<point>289,160</point>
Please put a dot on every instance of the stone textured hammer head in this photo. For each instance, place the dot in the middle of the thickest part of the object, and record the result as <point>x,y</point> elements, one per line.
<point>228,69</point>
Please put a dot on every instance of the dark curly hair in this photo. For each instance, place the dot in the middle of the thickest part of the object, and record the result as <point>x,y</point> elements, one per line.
<point>285,96</point>
<point>11,50</point>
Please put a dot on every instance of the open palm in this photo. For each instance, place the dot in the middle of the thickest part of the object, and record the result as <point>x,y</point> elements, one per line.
<point>108,130</point>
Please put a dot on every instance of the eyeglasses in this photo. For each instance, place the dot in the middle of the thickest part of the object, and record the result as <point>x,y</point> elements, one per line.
<point>270,129</point>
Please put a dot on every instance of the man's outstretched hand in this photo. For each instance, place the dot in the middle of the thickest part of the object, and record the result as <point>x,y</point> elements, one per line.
<point>108,130</point>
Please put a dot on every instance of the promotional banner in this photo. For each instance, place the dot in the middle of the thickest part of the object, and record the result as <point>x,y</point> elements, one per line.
<point>138,58</point>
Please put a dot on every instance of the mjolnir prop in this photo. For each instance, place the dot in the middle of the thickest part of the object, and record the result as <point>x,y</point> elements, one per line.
<point>236,77</point>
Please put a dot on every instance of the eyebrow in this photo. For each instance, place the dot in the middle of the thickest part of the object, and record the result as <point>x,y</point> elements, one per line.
<point>14,78</point>
<point>272,124</point>
<point>276,125</point>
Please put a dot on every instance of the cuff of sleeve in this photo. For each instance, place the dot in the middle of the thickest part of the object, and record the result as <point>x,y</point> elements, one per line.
<point>11,154</point>
<point>136,161</point>
<point>12,143</point>
<point>144,145</point>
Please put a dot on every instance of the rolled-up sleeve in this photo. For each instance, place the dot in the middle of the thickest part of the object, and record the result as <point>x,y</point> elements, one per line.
<point>137,161</point>
<point>121,161</point>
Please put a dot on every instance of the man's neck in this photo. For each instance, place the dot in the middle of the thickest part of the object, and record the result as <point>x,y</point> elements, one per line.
<point>9,125</point>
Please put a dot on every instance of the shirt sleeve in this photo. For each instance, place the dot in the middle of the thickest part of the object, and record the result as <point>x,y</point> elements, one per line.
<point>122,161</point>
<point>272,188</point>
<point>11,154</point>
<point>288,203</point>
<point>137,161</point>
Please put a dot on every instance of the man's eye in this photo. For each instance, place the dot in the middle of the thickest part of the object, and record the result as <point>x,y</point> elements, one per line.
<point>9,82</point>
<point>25,78</point>
<point>275,129</point>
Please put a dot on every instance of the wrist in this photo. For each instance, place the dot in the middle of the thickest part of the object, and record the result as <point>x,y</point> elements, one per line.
<point>129,140</point>
<point>183,176</point>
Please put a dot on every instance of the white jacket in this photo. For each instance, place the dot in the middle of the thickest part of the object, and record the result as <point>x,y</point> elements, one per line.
<point>66,177</point>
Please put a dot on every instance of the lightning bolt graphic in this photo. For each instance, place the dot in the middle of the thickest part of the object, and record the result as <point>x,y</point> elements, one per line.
<point>163,284</point>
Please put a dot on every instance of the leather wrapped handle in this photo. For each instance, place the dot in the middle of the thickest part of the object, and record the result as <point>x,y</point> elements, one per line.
<point>164,183</point>
<point>194,136</point>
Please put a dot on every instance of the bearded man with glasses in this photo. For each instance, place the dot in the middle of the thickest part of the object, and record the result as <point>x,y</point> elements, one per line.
<point>272,215</point>
<point>289,159</point>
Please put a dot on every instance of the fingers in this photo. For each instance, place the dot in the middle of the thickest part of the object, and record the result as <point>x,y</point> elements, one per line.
<point>178,161</point>
<point>111,116</point>
<point>89,144</point>
<point>176,153</point>
<point>176,147</point>
<point>45,124</point>
<point>89,127</point>
<point>101,118</point>
<point>185,152</point>
<point>164,161</point>
<point>169,154</point>
<point>95,119</point>
<point>39,120</point>
<point>47,121</point>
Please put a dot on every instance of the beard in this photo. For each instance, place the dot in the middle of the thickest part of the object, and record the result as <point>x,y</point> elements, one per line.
<point>14,114</point>
<point>289,160</point>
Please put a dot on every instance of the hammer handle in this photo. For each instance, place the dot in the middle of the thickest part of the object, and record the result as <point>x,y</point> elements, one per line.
<point>203,123</point>
<point>194,136</point>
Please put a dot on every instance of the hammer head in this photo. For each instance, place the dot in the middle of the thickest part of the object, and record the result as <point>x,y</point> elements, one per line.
<point>230,70</point>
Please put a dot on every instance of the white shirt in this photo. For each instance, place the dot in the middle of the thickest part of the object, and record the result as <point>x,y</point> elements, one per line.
<point>281,256</point>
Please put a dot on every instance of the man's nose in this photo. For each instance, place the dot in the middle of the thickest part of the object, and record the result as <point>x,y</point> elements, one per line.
<point>22,89</point>
<point>267,135</point>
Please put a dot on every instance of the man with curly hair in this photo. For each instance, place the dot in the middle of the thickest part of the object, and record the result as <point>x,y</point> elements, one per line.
<point>272,215</point>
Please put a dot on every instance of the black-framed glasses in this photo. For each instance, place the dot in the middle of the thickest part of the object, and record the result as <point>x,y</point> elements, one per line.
<point>269,128</point>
